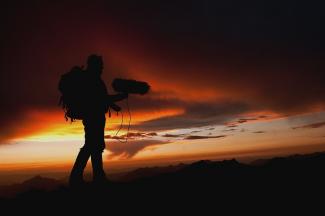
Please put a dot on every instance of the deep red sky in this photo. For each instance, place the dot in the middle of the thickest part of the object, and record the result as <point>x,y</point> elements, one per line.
<point>210,64</point>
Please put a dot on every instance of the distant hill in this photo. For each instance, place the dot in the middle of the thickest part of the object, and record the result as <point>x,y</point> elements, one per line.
<point>35,183</point>
<point>291,180</point>
<point>149,172</point>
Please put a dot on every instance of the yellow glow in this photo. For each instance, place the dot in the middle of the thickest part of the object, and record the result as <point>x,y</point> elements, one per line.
<point>58,129</point>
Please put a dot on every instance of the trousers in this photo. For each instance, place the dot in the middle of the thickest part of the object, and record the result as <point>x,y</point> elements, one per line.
<point>93,148</point>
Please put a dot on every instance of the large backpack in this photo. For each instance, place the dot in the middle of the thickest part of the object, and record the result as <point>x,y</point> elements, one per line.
<point>72,87</point>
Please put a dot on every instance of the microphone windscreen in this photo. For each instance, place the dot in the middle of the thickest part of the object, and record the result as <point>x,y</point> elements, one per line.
<point>130,86</point>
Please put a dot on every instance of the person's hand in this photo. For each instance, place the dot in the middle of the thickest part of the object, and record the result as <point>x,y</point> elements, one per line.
<point>125,95</point>
<point>116,108</point>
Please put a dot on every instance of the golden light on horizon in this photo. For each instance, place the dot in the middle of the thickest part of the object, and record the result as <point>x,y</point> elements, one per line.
<point>57,128</point>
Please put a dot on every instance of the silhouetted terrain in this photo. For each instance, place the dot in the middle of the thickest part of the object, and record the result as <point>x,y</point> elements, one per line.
<point>291,182</point>
<point>35,183</point>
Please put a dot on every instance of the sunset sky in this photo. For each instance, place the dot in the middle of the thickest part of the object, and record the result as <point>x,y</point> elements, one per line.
<point>228,79</point>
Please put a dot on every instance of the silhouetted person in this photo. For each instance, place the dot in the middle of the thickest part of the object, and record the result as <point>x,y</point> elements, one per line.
<point>97,104</point>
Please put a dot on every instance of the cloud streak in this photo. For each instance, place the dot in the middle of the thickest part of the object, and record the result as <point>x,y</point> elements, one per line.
<point>173,135</point>
<point>131,148</point>
<point>259,132</point>
<point>204,137</point>
<point>132,135</point>
<point>311,126</point>
<point>196,115</point>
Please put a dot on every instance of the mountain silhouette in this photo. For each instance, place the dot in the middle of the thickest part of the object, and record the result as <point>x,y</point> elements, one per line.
<point>147,172</point>
<point>289,182</point>
<point>36,183</point>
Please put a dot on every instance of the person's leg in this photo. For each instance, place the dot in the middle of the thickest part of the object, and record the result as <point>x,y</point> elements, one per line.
<point>96,155</point>
<point>97,164</point>
<point>76,176</point>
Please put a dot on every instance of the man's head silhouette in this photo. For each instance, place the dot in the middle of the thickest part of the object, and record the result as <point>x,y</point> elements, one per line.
<point>95,64</point>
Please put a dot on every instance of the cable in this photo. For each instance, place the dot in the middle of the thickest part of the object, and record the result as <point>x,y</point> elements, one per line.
<point>120,125</point>
<point>127,135</point>
<point>127,102</point>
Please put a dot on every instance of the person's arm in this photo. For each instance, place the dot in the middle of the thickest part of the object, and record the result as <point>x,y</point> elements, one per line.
<point>111,99</point>
<point>117,97</point>
<point>115,107</point>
